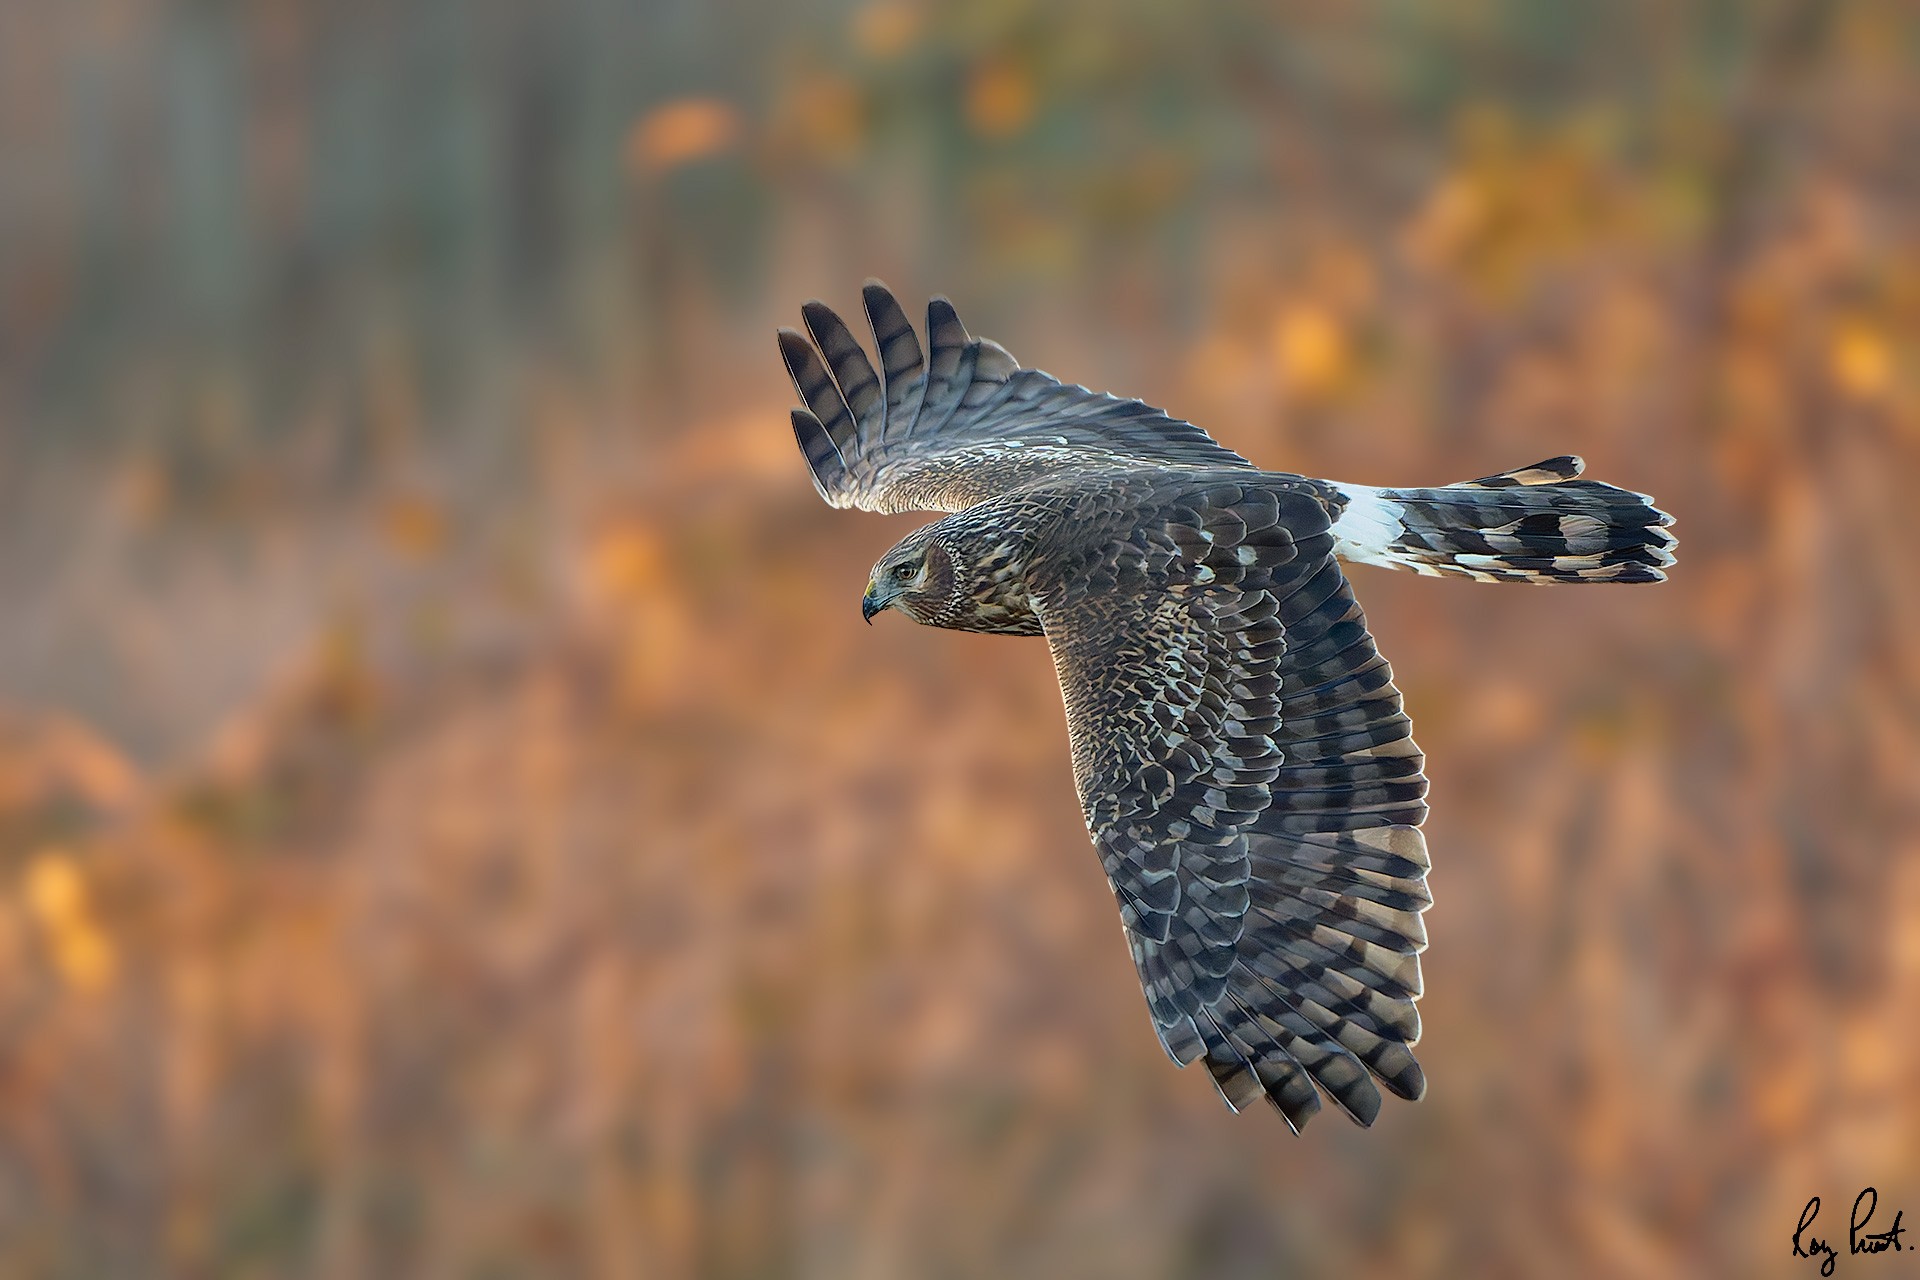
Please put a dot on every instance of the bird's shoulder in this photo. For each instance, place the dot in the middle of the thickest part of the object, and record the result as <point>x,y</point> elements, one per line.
<point>1199,511</point>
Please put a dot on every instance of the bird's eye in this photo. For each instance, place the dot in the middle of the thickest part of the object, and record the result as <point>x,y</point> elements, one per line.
<point>903,571</point>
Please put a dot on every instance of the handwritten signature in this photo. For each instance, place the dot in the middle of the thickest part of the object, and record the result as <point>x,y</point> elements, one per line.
<point>1859,1239</point>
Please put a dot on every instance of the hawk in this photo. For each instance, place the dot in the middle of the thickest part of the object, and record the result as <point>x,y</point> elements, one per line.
<point>1247,774</point>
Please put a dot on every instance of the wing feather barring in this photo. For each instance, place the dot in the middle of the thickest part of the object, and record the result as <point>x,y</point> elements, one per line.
<point>1248,776</point>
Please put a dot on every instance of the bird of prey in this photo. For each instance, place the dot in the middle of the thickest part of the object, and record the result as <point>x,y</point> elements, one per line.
<point>1246,771</point>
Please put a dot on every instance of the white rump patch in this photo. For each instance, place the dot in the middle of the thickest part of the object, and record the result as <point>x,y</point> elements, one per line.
<point>1368,526</point>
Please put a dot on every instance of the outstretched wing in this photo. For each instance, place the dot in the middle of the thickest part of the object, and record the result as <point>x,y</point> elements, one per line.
<point>959,423</point>
<point>1251,785</point>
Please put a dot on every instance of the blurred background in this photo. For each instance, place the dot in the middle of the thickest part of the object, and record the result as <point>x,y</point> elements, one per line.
<point>453,821</point>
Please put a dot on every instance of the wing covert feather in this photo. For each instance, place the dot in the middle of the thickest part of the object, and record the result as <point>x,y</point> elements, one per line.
<point>1249,782</point>
<point>961,422</point>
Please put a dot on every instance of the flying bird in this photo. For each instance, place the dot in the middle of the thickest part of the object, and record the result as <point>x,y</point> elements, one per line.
<point>1247,774</point>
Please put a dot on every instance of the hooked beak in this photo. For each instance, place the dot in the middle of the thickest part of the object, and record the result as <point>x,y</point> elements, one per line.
<point>871,603</point>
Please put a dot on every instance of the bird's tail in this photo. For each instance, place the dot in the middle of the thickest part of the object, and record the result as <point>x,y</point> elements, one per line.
<point>1537,524</point>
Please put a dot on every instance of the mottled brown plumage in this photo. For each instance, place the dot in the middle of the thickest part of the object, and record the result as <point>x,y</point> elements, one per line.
<point>1246,771</point>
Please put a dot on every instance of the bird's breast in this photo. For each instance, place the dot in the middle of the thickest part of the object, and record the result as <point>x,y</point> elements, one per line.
<point>997,600</point>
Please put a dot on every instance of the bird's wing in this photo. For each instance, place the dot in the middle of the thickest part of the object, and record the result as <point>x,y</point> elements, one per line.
<point>1250,783</point>
<point>956,424</point>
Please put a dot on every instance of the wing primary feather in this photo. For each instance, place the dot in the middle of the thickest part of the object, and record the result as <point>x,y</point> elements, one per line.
<point>852,371</point>
<point>823,458</point>
<point>901,362</point>
<point>945,423</point>
<point>817,389</point>
<point>949,366</point>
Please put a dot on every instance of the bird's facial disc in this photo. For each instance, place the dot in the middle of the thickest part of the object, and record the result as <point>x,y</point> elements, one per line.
<point>896,580</point>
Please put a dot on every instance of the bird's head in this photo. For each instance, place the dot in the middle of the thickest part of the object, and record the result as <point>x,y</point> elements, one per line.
<point>916,577</point>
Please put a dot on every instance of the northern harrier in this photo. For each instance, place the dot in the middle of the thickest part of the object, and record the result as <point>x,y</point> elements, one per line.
<point>1246,772</point>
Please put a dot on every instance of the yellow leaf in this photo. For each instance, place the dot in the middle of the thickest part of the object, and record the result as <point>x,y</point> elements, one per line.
<point>1311,349</point>
<point>1860,361</point>
<point>1453,218</point>
<point>55,890</point>
<point>84,956</point>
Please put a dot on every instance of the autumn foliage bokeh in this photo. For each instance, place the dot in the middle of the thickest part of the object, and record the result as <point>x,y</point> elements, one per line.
<point>454,823</point>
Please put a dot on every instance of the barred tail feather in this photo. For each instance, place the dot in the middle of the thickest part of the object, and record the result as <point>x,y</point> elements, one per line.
<point>1537,524</point>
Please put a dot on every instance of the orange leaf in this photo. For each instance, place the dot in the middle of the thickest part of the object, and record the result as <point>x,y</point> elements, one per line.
<point>681,132</point>
<point>1000,100</point>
